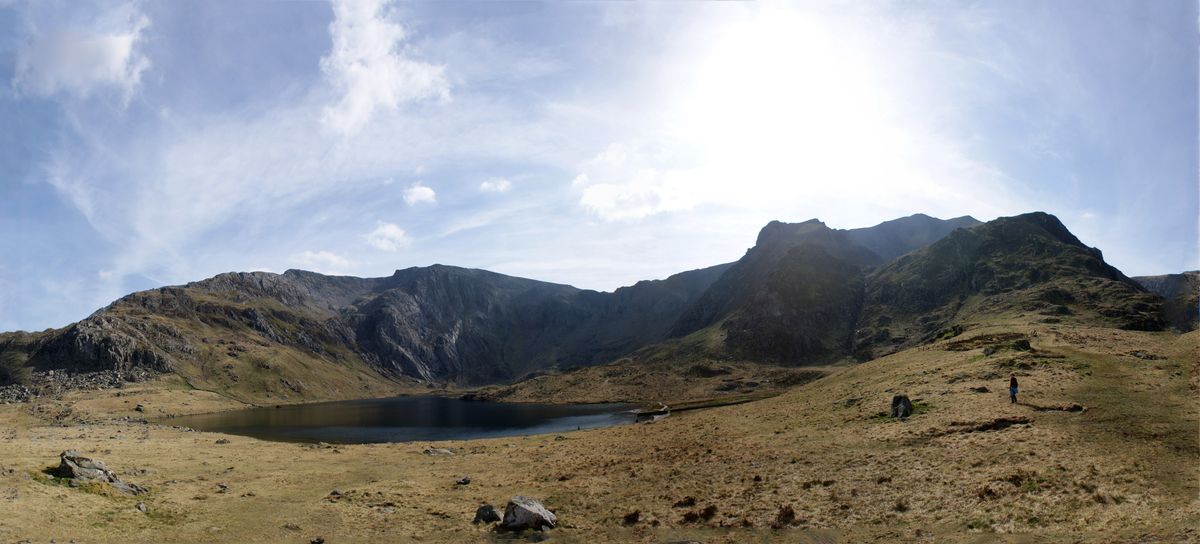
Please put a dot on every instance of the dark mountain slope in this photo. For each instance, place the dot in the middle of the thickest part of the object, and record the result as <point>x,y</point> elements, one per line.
<point>793,297</point>
<point>1181,294</point>
<point>1028,263</point>
<point>894,238</point>
<point>638,315</point>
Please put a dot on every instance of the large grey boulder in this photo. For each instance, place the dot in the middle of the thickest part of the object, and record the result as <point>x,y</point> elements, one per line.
<point>901,406</point>
<point>526,513</point>
<point>82,470</point>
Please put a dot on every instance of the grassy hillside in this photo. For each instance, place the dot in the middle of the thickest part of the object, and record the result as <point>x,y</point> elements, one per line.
<point>1026,267</point>
<point>817,463</point>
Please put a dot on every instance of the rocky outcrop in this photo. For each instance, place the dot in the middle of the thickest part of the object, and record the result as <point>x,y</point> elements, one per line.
<point>81,470</point>
<point>525,513</point>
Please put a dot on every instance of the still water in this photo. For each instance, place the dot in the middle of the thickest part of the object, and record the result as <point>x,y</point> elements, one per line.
<point>405,419</point>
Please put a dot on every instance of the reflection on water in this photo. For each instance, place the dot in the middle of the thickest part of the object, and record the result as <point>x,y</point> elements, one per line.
<point>403,419</point>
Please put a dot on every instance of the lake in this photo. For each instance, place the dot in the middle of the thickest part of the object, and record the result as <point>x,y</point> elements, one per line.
<point>405,419</point>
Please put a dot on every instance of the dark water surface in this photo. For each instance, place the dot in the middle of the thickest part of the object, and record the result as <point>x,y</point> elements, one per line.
<point>404,419</point>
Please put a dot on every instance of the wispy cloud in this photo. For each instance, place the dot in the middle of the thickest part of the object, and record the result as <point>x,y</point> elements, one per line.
<point>77,60</point>
<point>495,185</point>
<point>370,68</point>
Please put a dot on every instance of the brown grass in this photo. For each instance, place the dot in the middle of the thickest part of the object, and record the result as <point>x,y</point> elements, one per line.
<point>1124,470</point>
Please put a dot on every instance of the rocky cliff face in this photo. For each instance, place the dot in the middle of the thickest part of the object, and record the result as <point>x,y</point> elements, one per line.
<point>804,294</point>
<point>434,324</point>
<point>1181,294</point>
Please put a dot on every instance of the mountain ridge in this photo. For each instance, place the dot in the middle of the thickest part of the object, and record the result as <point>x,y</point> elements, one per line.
<point>804,294</point>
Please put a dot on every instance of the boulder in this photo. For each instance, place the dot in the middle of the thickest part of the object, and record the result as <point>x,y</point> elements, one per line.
<point>486,514</point>
<point>901,406</point>
<point>82,470</point>
<point>526,513</point>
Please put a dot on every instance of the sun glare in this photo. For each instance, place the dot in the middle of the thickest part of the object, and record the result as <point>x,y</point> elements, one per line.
<point>781,101</point>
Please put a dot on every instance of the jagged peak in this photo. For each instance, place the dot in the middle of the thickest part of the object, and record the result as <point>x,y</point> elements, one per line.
<point>776,230</point>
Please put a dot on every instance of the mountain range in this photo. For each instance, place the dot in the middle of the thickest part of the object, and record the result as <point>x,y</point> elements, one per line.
<point>803,294</point>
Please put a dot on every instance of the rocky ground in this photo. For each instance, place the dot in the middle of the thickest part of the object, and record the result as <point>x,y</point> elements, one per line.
<point>54,383</point>
<point>819,463</point>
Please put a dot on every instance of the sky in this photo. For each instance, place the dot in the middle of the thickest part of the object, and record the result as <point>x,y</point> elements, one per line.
<point>594,144</point>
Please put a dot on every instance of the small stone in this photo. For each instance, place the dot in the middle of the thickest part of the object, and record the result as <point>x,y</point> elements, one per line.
<point>632,518</point>
<point>685,502</point>
<point>141,507</point>
<point>486,514</point>
<point>222,441</point>
<point>463,481</point>
<point>140,408</point>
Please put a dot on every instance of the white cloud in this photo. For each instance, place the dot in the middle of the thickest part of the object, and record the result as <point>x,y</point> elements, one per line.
<point>627,181</point>
<point>388,237</point>
<point>370,69</point>
<point>495,185</point>
<point>321,261</point>
<point>78,60</point>
<point>418,193</point>
<point>649,192</point>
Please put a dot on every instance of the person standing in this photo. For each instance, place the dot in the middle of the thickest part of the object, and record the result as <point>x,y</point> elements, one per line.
<point>1012,388</point>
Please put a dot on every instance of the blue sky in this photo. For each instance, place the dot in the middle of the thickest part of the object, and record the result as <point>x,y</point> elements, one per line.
<point>596,144</point>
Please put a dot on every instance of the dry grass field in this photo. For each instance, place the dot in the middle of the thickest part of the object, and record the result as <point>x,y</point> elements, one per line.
<point>817,463</point>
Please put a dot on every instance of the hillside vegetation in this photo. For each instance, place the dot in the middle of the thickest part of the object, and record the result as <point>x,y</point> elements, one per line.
<point>804,295</point>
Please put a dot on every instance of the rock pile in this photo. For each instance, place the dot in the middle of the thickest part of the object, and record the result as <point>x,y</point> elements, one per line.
<point>53,383</point>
